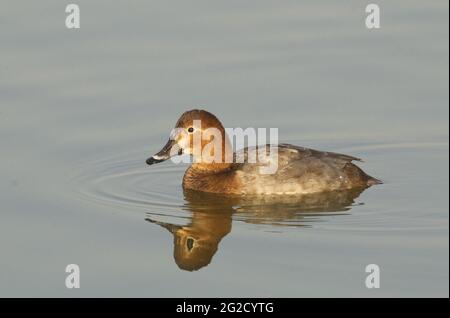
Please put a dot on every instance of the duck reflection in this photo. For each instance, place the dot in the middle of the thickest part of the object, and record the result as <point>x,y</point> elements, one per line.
<point>196,243</point>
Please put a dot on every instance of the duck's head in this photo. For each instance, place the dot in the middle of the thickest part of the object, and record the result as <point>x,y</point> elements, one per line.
<point>197,133</point>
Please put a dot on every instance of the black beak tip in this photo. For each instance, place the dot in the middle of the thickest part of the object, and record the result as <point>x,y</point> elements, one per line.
<point>151,161</point>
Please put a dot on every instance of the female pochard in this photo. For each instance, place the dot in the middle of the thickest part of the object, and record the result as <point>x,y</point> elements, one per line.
<point>298,170</point>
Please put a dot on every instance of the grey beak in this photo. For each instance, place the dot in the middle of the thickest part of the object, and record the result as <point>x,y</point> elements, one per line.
<point>170,149</point>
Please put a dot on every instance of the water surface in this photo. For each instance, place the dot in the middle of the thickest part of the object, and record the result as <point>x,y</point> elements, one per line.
<point>81,110</point>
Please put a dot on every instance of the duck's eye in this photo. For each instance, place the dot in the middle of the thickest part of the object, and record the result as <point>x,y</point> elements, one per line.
<point>190,129</point>
<point>190,243</point>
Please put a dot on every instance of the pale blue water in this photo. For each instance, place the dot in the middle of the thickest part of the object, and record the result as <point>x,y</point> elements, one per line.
<point>81,110</point>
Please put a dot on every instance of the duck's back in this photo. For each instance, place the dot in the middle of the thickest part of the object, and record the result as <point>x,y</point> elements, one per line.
<point>300,171</point>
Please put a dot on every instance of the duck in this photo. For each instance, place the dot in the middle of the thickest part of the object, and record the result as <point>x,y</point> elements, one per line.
<point>299,170</point>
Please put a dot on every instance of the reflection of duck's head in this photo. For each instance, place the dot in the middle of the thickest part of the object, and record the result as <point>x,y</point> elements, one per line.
<point>196,243</point>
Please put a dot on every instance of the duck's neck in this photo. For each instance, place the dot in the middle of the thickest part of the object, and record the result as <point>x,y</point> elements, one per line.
<point>222,162</point>
<point>210,168</point>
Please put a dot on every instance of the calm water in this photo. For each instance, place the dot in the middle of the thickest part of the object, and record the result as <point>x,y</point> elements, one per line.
<point>81,110</point>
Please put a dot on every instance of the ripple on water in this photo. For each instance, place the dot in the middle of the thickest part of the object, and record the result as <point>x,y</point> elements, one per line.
<point>124,181</point>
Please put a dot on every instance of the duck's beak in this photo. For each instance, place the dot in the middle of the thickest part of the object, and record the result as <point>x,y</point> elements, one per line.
<point>169,150</point>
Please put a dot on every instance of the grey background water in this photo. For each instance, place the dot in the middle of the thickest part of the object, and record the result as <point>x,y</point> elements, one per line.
<point>80,111</point>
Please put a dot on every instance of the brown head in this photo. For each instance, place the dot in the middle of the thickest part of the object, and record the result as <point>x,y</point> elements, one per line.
<point>200,134</point>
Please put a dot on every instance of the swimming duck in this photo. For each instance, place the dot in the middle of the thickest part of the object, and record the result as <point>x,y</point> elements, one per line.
<point>299,170</point>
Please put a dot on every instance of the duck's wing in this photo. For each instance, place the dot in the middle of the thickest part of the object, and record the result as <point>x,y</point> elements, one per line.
<point>288,153</point>
<point>302,152</point>
<point>301,169</point>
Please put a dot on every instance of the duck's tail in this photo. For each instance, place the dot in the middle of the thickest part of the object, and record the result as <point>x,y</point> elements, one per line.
<point>372,181</point>
<point>359,177</point>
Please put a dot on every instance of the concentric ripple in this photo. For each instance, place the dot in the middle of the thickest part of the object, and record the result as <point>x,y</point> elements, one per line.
<point>125,181</point>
